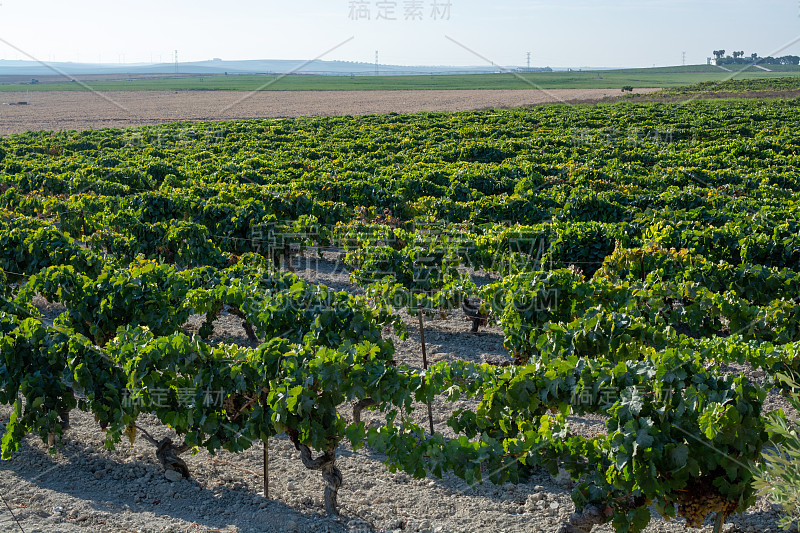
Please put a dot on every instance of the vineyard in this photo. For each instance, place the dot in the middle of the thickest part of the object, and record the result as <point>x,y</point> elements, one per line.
<point>631,254</point>
<point>732,86</point>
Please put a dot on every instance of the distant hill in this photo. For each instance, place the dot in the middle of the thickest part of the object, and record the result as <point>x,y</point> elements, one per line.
<point>271,66</point>
<point>19,72</point>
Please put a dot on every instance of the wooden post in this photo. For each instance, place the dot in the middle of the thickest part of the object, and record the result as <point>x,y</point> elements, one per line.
<point>641,266</point>
<point>266,468</point>
<point>719,522</point>
<point>424,359</point>
<point>83,224</point>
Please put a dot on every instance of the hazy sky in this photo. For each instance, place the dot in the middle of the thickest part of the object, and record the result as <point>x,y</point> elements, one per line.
<point>611,33</point>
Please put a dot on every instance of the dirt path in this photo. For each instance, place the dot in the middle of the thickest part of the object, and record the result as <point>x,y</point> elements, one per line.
<point>84,110</point>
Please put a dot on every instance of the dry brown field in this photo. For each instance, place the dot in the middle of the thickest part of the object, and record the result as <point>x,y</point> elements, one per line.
<point>57,111</point>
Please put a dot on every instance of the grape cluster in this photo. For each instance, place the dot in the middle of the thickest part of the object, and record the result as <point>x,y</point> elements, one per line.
<point>699,500</point>
<point>234,405</point>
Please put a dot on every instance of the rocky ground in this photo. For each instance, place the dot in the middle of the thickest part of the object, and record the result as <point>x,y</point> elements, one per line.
<point>82,487</point>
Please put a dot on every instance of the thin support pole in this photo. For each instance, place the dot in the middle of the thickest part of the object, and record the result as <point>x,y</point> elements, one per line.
<point>719,523</point>
<point>424,359</point>
<point>266,468</point>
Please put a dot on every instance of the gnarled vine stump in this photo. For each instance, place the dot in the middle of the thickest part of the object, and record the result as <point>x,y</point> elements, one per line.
<point>326,463</point>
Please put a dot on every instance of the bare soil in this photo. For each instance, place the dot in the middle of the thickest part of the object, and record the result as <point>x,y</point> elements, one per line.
<point>55,111</point>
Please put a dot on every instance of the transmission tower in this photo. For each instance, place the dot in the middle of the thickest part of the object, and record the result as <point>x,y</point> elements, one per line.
<point>176,61</point>
<point>529,60</point>
<point>684,58</point>
<point>377,69</point>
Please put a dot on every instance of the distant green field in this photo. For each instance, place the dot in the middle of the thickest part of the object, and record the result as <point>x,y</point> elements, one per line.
<point>609,79</point>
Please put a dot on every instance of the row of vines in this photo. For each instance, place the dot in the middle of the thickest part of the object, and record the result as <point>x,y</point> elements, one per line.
<point>626,251</point>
